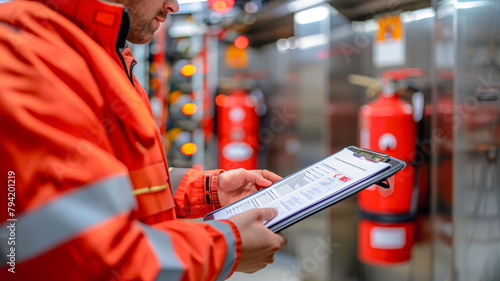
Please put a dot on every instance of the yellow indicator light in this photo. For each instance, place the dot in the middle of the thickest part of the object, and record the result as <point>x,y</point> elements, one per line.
<point>188,70</point>
<point>189,108</point>
<point>189,148</point>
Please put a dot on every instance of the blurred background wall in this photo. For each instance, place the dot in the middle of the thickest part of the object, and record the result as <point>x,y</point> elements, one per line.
<point>295,63</point>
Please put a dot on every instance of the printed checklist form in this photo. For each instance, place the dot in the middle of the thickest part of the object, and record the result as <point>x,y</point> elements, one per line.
<point>308,187</point>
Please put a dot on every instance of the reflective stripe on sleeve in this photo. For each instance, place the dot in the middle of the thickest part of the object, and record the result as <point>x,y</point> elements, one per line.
<point>171,268</point>
<point>176,175</point>
<point>231,248</point>
<point>65,217</point>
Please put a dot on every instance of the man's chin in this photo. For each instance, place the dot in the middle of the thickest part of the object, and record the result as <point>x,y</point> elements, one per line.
<point>140,40</point>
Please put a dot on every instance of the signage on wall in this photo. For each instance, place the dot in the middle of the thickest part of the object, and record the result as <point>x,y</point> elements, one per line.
<point>236,58</point>
<point>389,47</point>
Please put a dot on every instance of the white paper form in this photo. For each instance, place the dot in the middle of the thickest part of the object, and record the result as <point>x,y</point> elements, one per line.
<point>308,186</point>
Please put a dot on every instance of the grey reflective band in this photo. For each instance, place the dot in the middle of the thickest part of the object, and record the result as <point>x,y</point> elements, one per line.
<point>67,216</point>
<point>176,175</point>
<point>231,248</point>
<point>171,268</point>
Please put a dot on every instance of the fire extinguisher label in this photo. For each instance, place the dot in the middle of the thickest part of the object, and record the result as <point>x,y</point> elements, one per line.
<point>237,151</point>
<point>387,237</point>
<point>387,141</point>
<point>237,114</point>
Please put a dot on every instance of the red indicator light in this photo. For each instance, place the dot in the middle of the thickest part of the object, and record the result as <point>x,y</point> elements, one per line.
<point>221,6</point>
<point>221,100</point>
<point>241,42</point>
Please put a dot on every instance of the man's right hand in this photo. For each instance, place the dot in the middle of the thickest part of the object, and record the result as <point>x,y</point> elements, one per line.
<point>258,243</point>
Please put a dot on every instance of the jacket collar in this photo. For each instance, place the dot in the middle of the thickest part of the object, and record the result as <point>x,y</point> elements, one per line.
<point>107,23</point>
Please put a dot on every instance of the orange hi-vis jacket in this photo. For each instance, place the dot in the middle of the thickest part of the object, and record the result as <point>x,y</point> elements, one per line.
<point>89,194</point>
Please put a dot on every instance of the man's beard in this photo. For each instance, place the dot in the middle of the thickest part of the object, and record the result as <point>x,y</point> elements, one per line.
<point>141,29</point>
<point>141,32</point>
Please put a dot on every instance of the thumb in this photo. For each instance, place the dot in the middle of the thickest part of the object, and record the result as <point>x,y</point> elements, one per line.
<point>265,214</point>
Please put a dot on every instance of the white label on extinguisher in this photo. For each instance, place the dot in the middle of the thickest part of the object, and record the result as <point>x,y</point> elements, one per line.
<point>387,141</point>
<point>237,151</point>
<point>387,237</point>
<point>236,114</point>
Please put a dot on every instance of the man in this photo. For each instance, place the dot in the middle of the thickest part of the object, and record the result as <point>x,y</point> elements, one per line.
<point>89,191</point>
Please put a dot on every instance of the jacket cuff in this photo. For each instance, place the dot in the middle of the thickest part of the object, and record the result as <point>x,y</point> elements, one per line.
<point>213,190</point>
<point>237,237</point>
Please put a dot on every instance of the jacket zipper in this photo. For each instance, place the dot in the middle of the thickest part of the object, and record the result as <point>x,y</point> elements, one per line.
<point>121,43</point>
<point>131,77</point>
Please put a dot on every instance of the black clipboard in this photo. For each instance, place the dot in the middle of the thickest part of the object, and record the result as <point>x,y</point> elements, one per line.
<point>395,165</point>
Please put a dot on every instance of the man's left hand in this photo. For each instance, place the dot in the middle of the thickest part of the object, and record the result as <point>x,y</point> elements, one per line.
<point>236,184</point>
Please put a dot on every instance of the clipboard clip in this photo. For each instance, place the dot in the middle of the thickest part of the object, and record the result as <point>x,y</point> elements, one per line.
<point>371,155</point>
<point>384,184</point>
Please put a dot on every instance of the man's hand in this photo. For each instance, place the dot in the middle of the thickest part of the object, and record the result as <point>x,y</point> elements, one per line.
<point>258,243</point>
<point>236,184</point>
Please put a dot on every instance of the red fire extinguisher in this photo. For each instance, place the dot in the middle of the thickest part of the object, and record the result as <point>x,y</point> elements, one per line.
<point>237,130</point>
<point>387,225</point>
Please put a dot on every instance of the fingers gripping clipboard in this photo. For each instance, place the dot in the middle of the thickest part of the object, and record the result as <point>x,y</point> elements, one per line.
<point>317,187</point>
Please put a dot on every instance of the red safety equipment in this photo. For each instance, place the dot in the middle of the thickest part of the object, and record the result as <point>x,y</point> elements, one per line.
<point>92,188</point>
<point>386,230</point>
<point>387,125</point>
<point>238,128</point>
